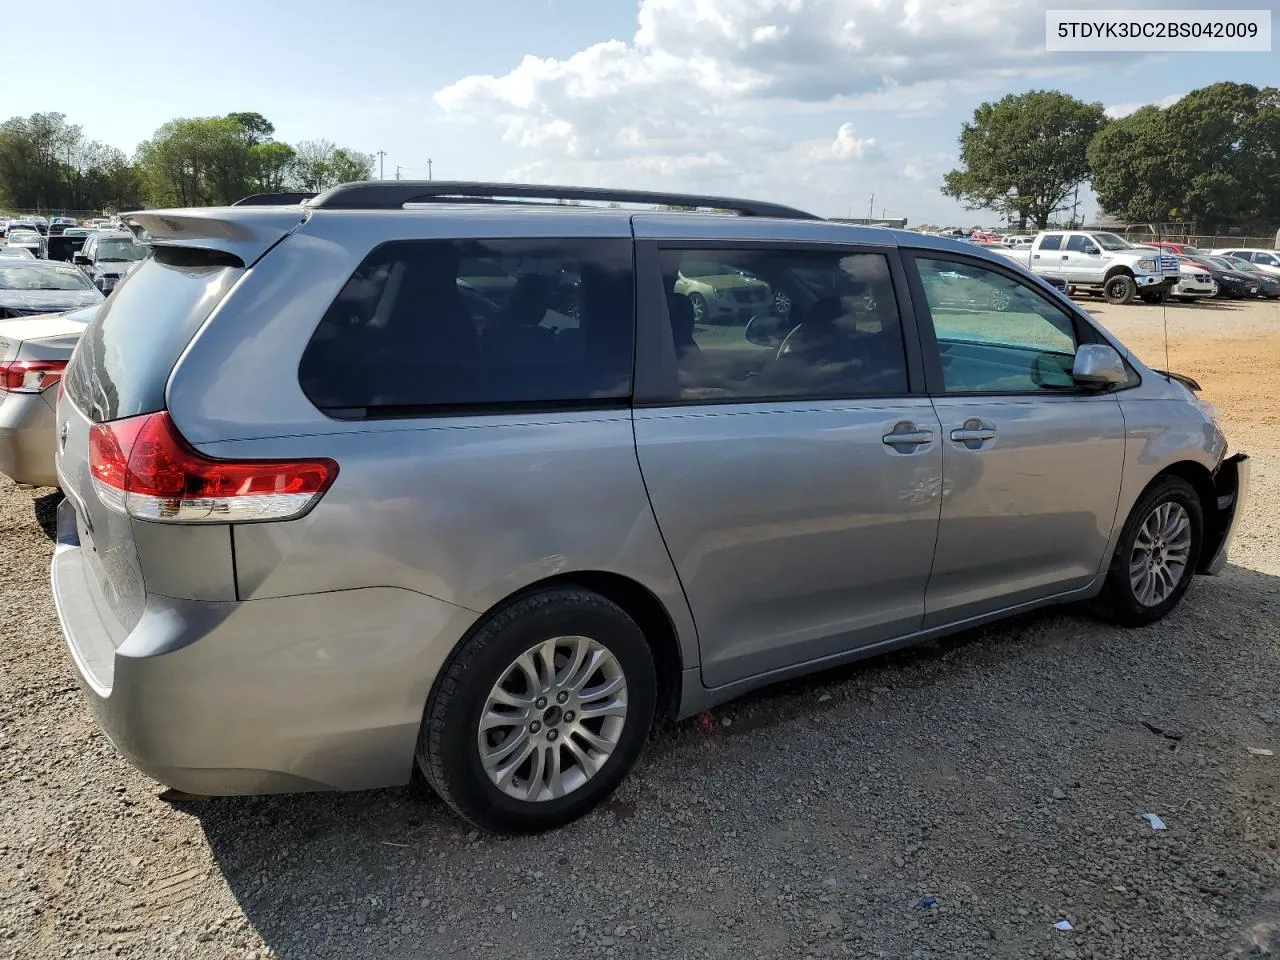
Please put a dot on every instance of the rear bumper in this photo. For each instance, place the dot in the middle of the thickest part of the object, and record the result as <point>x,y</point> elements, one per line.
<point>314,692</point>
<point>1232,483</point>
<point>27,439</point>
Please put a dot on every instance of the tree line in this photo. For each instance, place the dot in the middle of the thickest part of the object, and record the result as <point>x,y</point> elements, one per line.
<point>1212,158</point>
<point>47,163</point>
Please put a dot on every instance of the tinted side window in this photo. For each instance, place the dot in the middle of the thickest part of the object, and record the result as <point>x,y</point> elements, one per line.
<point>1051,241</point>
<point>994,334</point>
<point>766,324</point>
<point>424,325</point>
<point>1077,243</point>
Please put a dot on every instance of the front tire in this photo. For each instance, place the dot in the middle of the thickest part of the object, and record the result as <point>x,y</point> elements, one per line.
<point>699,304</point>
<point>1120,289</point>
<point>1156,556</point>
<point>541,713</point>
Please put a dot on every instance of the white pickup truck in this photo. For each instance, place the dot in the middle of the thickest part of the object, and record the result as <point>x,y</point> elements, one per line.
<point>1100,261</point>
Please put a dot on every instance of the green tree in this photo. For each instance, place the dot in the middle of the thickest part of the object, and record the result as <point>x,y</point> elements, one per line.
<point>1024,155</point>
<point>1213,158</point>
<point>271,166</point>
<point>311,164</point>
<point>348,166</point>
<point>1131,171</point>
<point>320,165</point>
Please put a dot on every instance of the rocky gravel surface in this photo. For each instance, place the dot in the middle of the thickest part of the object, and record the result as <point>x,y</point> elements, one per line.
<point>963,799</point>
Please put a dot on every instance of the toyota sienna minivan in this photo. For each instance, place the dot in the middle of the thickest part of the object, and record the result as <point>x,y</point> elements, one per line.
<point>447,474</point>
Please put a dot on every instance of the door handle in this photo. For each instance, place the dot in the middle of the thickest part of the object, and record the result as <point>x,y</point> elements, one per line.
<point>1065,257</point>
<point>979,433</point>
<point>907,434</point>
<point>974,433</point>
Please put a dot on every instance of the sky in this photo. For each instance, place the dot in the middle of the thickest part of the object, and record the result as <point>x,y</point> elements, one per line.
<point>840,107</point>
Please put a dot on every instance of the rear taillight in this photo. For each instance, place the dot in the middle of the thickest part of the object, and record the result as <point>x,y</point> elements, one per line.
<point>31,376</point>
<point>143,467</point>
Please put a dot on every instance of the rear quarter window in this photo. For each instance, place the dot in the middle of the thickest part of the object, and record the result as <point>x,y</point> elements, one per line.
<point>127,351</point>
<point>427,326</point>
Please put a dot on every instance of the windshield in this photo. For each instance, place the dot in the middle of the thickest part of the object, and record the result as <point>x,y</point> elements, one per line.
<point>23,277</point>
<point>1109,241</point>
<point>116,250</point>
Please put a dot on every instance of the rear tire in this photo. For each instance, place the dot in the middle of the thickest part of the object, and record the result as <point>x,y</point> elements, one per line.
<point>1158,519</point>
<point>1120,289</point>
<point>525,799</point>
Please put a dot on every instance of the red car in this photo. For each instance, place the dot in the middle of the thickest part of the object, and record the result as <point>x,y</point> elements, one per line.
<point>1181,249</point>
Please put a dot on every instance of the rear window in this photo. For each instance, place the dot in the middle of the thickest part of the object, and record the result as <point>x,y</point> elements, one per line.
<point>427,326</point>
<point>124,357</point>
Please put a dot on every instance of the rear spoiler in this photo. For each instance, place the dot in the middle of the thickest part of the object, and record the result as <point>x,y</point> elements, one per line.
<point>246,234</point>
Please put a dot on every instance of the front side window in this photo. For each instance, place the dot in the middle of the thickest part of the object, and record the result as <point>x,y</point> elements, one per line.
<point>1266,259</point>
<point>1078,243</point>
<point>994,334</point>
<point>774,323</point>
<point>424,325</point>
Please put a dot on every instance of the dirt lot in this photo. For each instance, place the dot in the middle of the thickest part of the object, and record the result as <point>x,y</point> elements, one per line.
<point>953,801</point>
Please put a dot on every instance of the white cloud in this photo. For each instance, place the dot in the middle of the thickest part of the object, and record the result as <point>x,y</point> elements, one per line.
<point>1116,111</point>
<point>845,147</point>
<point>727,94</point>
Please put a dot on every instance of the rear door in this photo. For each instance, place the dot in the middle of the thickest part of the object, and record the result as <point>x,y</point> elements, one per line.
<point>1031,463</point>
<point>1048,256</point>
<point>794,473</point>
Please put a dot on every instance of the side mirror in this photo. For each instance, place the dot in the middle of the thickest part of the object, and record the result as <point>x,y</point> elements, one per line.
<point>81,259</point>
<point>1091,250</point>
<point>1098,366</point>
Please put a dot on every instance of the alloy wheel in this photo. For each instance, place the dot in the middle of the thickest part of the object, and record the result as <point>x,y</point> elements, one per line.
<point>1161,552</point>
<point>553,719</point>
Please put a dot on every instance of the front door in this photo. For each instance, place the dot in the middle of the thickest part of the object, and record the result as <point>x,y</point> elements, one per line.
<point>794,476</point>
<point>1083,261</point>
<point>1031,463</point>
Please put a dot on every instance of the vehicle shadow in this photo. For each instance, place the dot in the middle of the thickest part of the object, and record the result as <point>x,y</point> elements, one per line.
<point>394,874</point>
<point>46,511</point>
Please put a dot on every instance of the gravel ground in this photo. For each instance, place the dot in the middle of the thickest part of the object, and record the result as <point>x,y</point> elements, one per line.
<point>952,801</point>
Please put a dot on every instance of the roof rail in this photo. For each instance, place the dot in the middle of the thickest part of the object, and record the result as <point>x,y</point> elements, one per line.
<point>272,199</point>
<point>394,194</point>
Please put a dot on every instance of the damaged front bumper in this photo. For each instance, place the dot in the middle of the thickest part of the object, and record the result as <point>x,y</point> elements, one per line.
<point>1232,485</point>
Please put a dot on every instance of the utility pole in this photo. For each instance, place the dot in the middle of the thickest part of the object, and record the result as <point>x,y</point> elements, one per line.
<point>428,168</point>
<point>871,207</point>
<point>397,171</point>
<point>382,156</point>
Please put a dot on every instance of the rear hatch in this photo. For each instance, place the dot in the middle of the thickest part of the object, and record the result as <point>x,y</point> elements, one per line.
<point>120,370</point>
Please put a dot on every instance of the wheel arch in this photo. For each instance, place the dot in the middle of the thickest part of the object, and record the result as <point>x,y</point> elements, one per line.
<point>1119,269</point>
<point>641,605</point>
<point>1201,480</point>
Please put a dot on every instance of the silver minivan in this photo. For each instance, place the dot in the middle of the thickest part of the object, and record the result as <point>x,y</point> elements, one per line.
<point>401,474</point>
